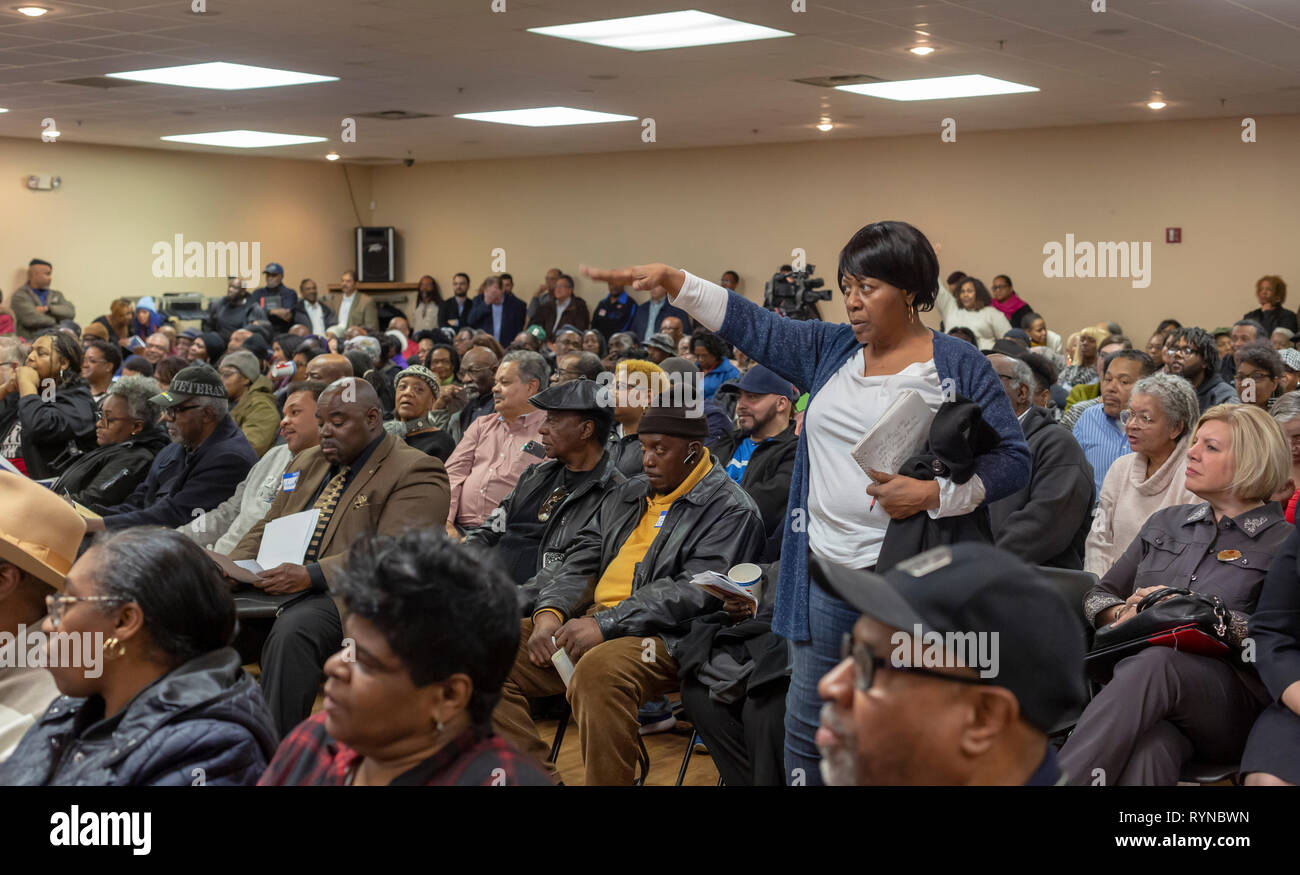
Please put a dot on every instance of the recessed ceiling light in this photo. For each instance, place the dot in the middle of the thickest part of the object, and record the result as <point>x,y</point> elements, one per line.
<point>222,76</point>
<point>546,116</point>
<point>242,139</point>
<point>33,11</point>
<point>1156,104</point>
<point>825,126</point>
<point>332,156</point>
<point>922,50</point>
<point>940,88</point>
<point>664,30</point>
<point>2,109</point>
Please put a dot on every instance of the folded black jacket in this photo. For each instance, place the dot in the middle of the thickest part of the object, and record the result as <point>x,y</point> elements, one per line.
<point>958,436</point>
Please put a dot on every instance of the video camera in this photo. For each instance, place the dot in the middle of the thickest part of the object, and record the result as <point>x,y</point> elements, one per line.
<point>795,294</point>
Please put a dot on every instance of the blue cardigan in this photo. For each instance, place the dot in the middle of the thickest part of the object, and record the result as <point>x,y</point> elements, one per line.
<point>808,354</point>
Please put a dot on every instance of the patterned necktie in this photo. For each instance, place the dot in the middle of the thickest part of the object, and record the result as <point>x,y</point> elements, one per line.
<point>329,498</point>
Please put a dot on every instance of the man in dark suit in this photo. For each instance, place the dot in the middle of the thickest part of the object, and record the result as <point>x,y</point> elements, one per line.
<point>364,482</point>
<point>563,308</point>
<point>497,312</point>
<point>648,316</point>
<point>312,311</point>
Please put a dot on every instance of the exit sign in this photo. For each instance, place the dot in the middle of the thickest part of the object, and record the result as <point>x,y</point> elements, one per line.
<point>1173,235</point>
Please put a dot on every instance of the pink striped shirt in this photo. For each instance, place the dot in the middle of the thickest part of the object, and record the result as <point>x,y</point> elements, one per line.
<point>487,463</point>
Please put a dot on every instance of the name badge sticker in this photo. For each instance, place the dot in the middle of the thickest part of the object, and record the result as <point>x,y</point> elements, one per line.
<point>289,481</point>
<point>663,514</point>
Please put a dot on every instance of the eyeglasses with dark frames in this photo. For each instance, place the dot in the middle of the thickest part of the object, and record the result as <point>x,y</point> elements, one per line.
<point>865,664</point>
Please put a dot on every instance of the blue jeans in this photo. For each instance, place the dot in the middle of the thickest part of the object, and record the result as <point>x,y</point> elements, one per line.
<point>828,620</point>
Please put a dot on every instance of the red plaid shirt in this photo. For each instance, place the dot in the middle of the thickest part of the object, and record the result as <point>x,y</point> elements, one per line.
<point>310,757</point>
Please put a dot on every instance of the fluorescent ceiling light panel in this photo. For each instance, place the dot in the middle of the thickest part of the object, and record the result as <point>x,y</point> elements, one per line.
<point>242,139</point>
<point>222,76</point>
<point>941,88</point>
<point>664,30</point>
<point>546,117</point>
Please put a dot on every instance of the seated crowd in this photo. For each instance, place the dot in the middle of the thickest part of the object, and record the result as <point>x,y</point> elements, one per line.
<point>515,504</point>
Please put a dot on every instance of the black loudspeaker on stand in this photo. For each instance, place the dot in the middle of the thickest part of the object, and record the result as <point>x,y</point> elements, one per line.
<point>376,255</point>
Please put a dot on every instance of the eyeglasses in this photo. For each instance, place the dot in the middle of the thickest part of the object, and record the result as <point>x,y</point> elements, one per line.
<point>865,664</point>
<point>469,372</point>
<point>56,605</point>
<point>554,501</point>
<point>1139,420</point>
<point>104,417</point>
<point>1181,351</point>
<point>173,412</point>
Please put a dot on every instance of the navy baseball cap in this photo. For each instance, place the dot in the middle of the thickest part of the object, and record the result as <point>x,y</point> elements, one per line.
<point>758,380</point>
<point>977,588</point>
<point>274,268</point>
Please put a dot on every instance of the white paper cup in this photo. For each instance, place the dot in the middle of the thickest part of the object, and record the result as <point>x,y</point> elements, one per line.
<point>748,576</point>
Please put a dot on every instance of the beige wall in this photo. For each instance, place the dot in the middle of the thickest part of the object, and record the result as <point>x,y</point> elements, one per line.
<point>989,201</point>
<point>99,228</point>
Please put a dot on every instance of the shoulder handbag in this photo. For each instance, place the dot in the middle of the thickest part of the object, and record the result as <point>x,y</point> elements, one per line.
<point>1167,617</point>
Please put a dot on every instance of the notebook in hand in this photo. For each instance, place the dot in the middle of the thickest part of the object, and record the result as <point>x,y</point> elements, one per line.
<point>900,433</point>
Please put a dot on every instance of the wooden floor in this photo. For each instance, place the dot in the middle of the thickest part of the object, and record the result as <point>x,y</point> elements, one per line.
<point>665,749</point>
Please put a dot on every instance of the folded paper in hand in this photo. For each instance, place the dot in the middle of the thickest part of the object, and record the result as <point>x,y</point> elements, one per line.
<point>722,586</point>
<point>283,540</point>
<point>899,434</point>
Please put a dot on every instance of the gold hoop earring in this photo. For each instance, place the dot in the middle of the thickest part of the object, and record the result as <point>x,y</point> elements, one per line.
<point>110,644</point>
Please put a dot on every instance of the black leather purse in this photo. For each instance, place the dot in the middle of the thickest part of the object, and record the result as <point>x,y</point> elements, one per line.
<point>1167,617</point>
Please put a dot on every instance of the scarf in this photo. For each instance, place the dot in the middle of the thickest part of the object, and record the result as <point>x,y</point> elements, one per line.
<point>1009,306</point>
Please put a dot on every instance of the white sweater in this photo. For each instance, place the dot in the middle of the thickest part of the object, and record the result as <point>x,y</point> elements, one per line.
<point>222,528</point>
<point>1128,498</point>
<point>987,323</point>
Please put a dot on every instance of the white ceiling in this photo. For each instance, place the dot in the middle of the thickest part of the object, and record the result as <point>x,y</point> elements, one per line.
<point>450,56</point>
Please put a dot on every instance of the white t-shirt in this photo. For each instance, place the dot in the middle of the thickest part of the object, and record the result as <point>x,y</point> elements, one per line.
<point>345,309</point>
<point>842,525</point>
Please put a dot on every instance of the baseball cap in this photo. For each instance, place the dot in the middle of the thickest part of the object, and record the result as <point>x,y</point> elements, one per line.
<point>662,342</point>
<point>973,587</point>
<point>578,396</point>
<point>758,380</point>
<point>191,380</point>
<point>274,268</point>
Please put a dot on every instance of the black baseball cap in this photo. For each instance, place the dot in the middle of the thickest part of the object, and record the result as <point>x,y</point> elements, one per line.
<point>758,380</point>
<point>974,587</point>
<point>191,380</point>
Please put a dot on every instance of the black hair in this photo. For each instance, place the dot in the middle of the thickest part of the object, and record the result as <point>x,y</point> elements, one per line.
<point>462,273</point>
<point>1259,329</point>
<point>1144,361</point>
<point>1166,324</point>
<point>505,276</point>
<point>112,352</point>
<point>139,364</point>
<point>67,346</point>
<point>604,344</point>
<point>1028,319</point>
<point>1112,339</point>
<point>443,609</point>
<point>732,273</point>
<point>303,282</point>
<point>955,277</point>
<point>1003,276</point>
<point>389,346</point>
<point>982,297</point>
<point>361,361</point>
<point>710,342</point>
<point>188,610</point>
<point>965,334</point>
<point>565,276</point>
<point>451,350</point>
<point>435,294</point>
<point>1045,372</point>
<point>588,364</point>
<point>1261,355</point>
<point>168,368</point>
<point>315,387</point>
<point>1206,346</point>
<point>896,253</point>
<point>310,347</point>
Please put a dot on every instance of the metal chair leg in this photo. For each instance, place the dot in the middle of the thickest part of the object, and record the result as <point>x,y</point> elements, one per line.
<point>643,760</point>
<point>686,758</point>
<point>559,735</point>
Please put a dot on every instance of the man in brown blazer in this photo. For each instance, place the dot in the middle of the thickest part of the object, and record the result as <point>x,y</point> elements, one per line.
<point>354,308</point>
<point>364,482</point>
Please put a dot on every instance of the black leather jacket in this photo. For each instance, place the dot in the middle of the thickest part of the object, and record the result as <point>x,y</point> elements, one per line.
<point>108,474</point>
<point>564,524</point>
<point>712,527</point>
